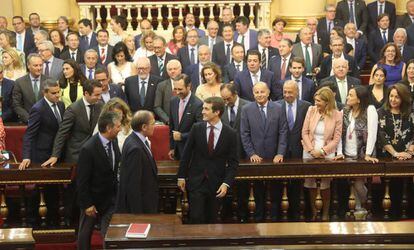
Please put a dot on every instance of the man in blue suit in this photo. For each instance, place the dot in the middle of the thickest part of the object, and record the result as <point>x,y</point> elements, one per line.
<point>190,25</point>
<point>88,38</point>
<point>379,7</point>
<point>278,64</point>
<point>7,85</point>
<point>245,36</point>
<point>91,64</point>
<point>263,132</point>
<point>194,71</point>
<point>359,45</point>
<point>237,65</point>
<point>263,46</point>
<point>245,79</point>
<point>379,37</point>
<point>187,55</point>
<point>306,87</point>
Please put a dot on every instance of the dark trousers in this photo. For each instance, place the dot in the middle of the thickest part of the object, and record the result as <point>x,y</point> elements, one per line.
<point>87,224</point>
<point>203,204</point>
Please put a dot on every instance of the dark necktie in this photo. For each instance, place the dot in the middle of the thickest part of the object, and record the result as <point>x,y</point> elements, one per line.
<point>228,54</point>
<point>232,116</point>
<point>73,55</point>
<point>56,112</point>
<point>308,60</point>
<point>330,27</point>
<point>90,77</point>
<point>264,59</point>
<point>351,12</point>
<point>47,68</point>
<point>91,107</point>
<point>109,152</point>
<point>384,37</point>
<point>36,89</point>
<point>192,56</point>
<point>381,10</point>
<point>238,67</point>
<point>242,40</point>
<point>210,143</point>
<point>291,121</point>
<point>142,92</point>
<point>161,65</point>
<point>263,114</point>
<point>87,40</point>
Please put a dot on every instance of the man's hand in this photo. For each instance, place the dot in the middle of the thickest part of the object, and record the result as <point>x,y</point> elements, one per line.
<point>316,154</point>
<point>278,159</point>
<point>371,159</point>
<point>171,154</point>
<point>403,156</point>
<point>177,136</point>
<point>91,211</point>
<point>222,191</point>
<point>51,162</point>
<point>181,185</point>
<point>24,164</point>
<point>255,158</point>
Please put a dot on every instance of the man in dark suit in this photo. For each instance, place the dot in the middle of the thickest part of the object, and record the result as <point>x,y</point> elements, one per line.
<point>317,36</point>
<point>140,89</point>
<point>306,87</point>
<point>63,25</point>
<point>34,21</point>
<point>104,49</point>
<point>194,71</point>
<point>245,36</point>
<point>24,40</point>
<point>160,58</point>
<point>278,64</point>
<point>379,37</point>
<point>343,82</point>
<point>337,47</point>
<point>185,110</point>
<point>377,8</point>
<point>295,111</point>
<point>138,189</point>
<point>88,38</point>
<point>109,90</point>
<point>325,24</point>
<point>145,26</point>
<point>237,65</point>
<point>359,15</point>
<point>227,18</point>
<point>73,51</point>
<point>400,39</point>
<point>263,46</point>
<point>263,132</point>
<point>187,55</point>
<point>408,18</point>
<point>212,38</point>
<point>221,54</point>
<point>28,89</point>
<point>165,90</point>
<point>310,52</point>
<point>208,164</point>
<point>245,79</point>
<point>52,66</point>
<point>7,86</point>
<point>96,175</point>
<point>189,21</point>
<point>359,45</point>
<point>91,64</point>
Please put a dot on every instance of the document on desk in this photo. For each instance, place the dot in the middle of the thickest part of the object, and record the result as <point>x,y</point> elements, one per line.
<point>136,230</point>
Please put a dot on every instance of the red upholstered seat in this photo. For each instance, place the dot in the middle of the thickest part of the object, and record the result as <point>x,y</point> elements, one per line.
<point>14,140</point>
<point>160,144</point>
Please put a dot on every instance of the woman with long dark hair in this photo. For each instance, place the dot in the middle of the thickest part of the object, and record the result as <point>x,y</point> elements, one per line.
<point>71,82</point>
<point>121,67</point>
<point>377,92</point>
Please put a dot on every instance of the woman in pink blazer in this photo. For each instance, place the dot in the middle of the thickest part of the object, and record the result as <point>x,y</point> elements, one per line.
<point>321,133</point>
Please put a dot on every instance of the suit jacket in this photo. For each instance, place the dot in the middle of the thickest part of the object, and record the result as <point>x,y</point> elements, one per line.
<point>196,162</point>
<point>332,131</point>
<point>266,140</point>
<point>244,84</point>
<point>410,35</point>
<point>373,14</point>
<point>56,69</point>
<point>138,189</point>
<point>275,65</point>
<point>408,53</point>
<point>23,96</point>
<point>375,43</point>
<point>96,179</point>
<point>316,53</point>
<point>74,131</point>
<point>295,148</point>
<point>322,25</point>
<point>360,53</point>
<point>361,13</point>
<point>351,81</point>
<point>205,40</point>
<point>193,71</point>
<point>252,39</point>
<point>85,71</point>
<point>236,125</point>
<point>323,40</point>
<point>403,21</point>
<point>84,45</point>
<point>219,54</point>
<point>183,55</point>
<point>230,71</point>
<point>132,93</point>
<point>108,58</point>
<point>116,91</point>
<point>41,130</point>
<point>221,25</point>
<point>326,67</point>
<point>79,55</point>
<point>201,33</point>
<point>192,114</point>
<point>162,101</point>
<point>308,89</point>
<point>154,65</point>
<point>137,41</point>
<point>8,114</point>
<point>272,52</point>
<point>29,45</point>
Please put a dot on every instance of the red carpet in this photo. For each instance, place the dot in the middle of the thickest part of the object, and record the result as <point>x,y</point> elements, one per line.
<point>96,244</point>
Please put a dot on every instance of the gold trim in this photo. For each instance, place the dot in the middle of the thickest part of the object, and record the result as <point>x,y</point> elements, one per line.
<point>54,231</point>
<point>306,176</point>
<point>295,23</point>
<point>35,182</point>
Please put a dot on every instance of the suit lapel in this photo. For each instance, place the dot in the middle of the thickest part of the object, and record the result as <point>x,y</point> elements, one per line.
<point>29,88</point>
<point>102,151</point>
<point>149,155</point>
<point>220,140</point>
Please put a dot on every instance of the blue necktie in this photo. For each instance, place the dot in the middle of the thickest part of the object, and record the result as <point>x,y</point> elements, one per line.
<point>351,13</point>
<point>142,93</point>
<point>90,77</point>
<point>263,114</point>
<point>291,120</point>
<point>192,56</point>
<point>384,37</point>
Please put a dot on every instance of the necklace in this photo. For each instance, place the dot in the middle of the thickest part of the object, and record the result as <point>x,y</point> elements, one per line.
<point>397,124</point>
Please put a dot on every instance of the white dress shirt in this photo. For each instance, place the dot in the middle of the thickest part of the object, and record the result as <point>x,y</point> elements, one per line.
<point>246,39</point>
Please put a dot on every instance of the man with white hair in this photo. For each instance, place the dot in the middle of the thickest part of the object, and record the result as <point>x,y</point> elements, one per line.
<point>142,95</point>
<point>91,63</point>
<point>52,66</point>
<point>400,39</point>
<point>318,36</point>
<point>407,19</point>
<point>212,36</point>
<point>309,51</point>
<point>358,44</point>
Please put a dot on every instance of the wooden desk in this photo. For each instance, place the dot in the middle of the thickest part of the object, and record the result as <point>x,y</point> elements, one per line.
<point>16,238</point>
<point>168,231</point>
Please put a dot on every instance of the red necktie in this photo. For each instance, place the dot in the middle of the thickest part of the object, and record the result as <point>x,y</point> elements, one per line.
<point>211,140</point>
<point>103,57</point>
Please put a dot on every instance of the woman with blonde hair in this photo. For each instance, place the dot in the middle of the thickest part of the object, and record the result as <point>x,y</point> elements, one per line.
<point>147,45</point>
<point>130,43</point>
<point>8,41</point>
<point>211,76</point>
<point>13,67</point>
<point>321,133</point>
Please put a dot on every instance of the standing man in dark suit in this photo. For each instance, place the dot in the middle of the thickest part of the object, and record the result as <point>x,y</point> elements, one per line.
<point>237,65</point>
<point>7,86</point>
<point>185,110</point>
<point>359,45</point>
<point>187,55</point>
<point>279,64</point>
<point>377,8</point>
<point>400,39</point>
<point>73,51</point>
<point>160,58</point>
<point>263,46</point>
<point>24,40</point>
<point>52,66</point>
<point>194,71</point>
<point>91,64</point>
<point>379,37</point>
<point>165,90</point>
<point>263,132</point>
<point>88,38</point>
<point>221,54</point>
<point>140,89</point>
<point>189,21</point>
<point>109,90</point>
<point>138,189</point>
<point>145,26</point>
<point>317,36</point>
<point>104,49</point>
<point>97,178</point>
<point>212,38</point>
<point>28,89</point>
<point>246,79</point>
<point>245,36</point>
<point>34,21</point>
<point>295,111</point>
<point>357,15</point>
<point>408,18</point>
<point>306,87</point>
<point>227,18</point>
<point>325,24</point>
<point>209,162</point>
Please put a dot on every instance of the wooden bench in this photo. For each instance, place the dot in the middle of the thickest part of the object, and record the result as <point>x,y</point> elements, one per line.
<point>16,238</point>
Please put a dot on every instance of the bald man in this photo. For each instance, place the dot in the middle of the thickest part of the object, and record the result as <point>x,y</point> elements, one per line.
<point>212,37</point>
<point>140,89</point>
